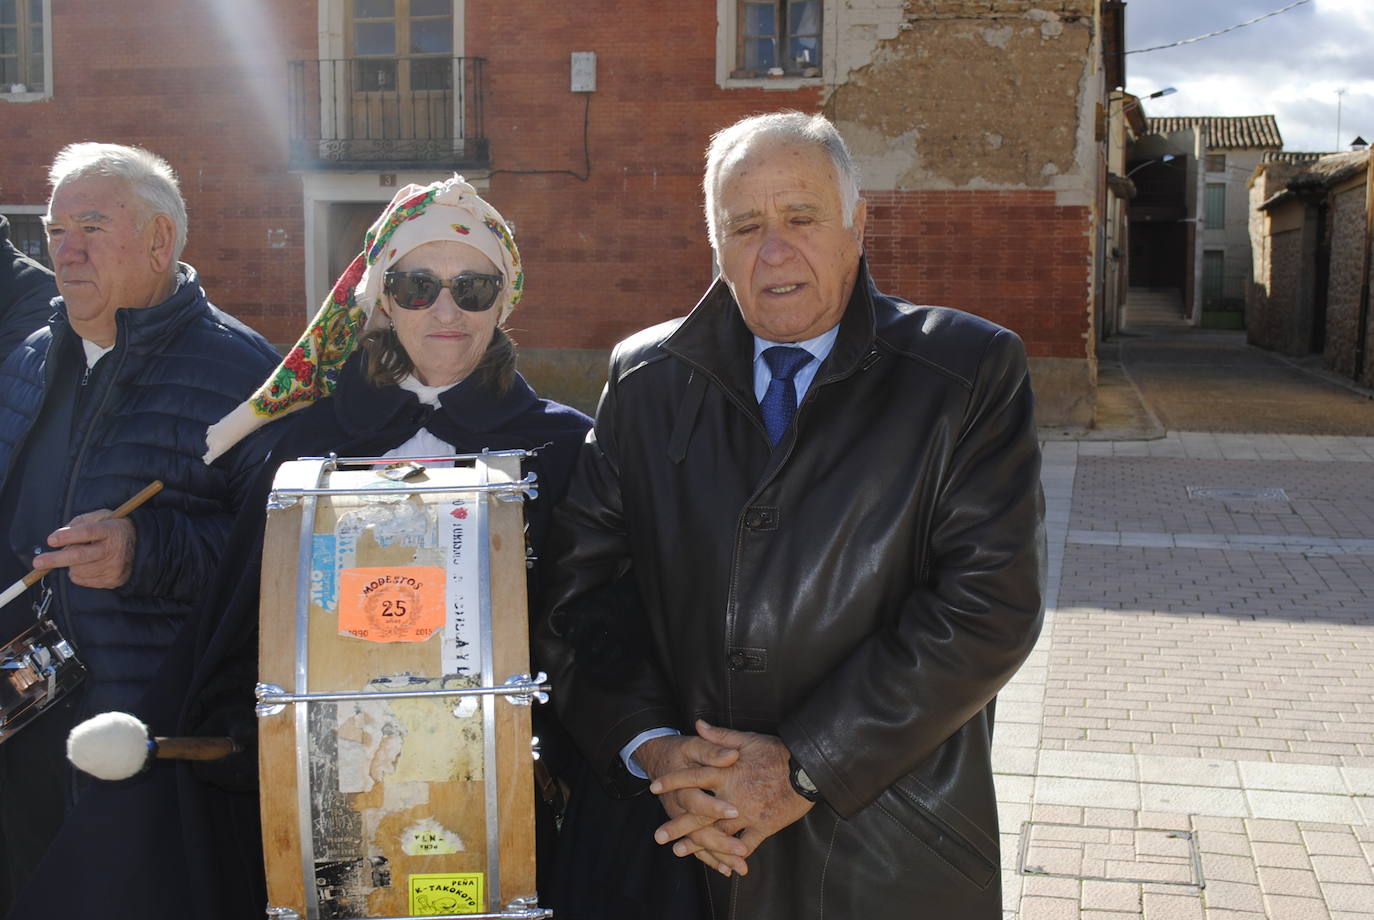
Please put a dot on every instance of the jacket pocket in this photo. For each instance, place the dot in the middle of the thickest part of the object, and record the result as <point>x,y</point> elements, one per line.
<point>918,820</point>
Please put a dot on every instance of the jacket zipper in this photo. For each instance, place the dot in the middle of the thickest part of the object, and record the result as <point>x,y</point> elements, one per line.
<point>65,627</point>
<point>72,479</point>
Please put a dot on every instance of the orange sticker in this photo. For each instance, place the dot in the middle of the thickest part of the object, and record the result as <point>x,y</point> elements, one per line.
<point>402,604</point>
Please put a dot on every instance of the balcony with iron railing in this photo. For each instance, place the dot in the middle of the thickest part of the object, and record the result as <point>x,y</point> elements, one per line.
<point>387,113</point>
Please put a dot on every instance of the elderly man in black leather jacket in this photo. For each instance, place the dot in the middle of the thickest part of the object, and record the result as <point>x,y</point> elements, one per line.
<point>837,559</point>
<point>117,390</point>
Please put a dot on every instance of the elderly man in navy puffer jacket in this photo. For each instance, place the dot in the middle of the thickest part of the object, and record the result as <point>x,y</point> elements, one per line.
<point>115,391</point>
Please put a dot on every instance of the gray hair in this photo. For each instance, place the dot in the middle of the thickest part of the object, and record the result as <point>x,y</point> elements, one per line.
<point>149,175</point>
<point>787,127</point>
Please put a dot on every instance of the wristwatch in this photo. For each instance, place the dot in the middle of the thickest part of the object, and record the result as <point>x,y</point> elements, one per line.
<point>801,783</point>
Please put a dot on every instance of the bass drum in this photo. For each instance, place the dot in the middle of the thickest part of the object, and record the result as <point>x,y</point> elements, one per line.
<point>394,730</point>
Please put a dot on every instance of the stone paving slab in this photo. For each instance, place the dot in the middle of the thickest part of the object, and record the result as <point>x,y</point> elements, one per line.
<point>1206,445</point>
<point>1262,868</point>
<point>1150,494</point>
<point>1311,546</point>
<point>1206,666</point>
<point>1257,656</point>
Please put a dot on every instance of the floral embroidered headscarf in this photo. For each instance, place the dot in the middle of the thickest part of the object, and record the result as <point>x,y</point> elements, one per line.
<point>448,210</point>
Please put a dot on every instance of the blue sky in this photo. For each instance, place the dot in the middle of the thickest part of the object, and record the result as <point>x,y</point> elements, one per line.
<point>1289,65</point>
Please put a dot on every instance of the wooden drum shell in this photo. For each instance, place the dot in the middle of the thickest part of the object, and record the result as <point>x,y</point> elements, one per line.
<point>411,794</point>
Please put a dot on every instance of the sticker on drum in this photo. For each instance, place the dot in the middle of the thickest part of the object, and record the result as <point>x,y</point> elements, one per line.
<point>342,885</point>
<point>324,587</point>
<point>391,604</point>
<point>428,837</point>
<point>436,894</point>
<point>392,741</point>
<point>462,653</point>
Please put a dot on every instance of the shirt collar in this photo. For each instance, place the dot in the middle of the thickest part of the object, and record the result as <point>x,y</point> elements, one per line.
<point>94,352</point>
<point>819,346</point>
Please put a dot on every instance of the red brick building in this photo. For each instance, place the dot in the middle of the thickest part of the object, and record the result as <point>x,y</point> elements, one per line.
<point>977,127</point>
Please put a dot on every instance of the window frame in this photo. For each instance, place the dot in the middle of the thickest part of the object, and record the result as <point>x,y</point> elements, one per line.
<point>403,76</point>
<point>1214,214</point>
<point>1215,163</point>
<point>729,52</point>
<point>24,26</point>
<point>20,214</point>
<point>781,36</point>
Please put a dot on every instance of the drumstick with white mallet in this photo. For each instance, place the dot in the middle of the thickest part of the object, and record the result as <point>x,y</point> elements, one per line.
<point>116,745</point>
<point>23,584</point>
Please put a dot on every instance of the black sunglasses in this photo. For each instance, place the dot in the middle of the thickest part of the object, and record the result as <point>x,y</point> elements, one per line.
<point>472,291</point>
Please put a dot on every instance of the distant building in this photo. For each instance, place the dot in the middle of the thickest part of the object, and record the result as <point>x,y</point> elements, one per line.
<point>1125,125</point>
<point>1311,236</point>
<point>1293,157</point>
<point>1190,219</point>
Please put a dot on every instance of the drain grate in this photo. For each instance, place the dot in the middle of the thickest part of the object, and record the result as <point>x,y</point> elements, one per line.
<point>1110,854</point>
<point>1225,493</point>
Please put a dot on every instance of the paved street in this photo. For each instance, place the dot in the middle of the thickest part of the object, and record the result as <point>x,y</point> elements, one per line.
<point>1194,735</point>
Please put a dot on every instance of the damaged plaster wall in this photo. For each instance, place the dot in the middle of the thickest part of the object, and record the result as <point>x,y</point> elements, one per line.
<point>967,94</point>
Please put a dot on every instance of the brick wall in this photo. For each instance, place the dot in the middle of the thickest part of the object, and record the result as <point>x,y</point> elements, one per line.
<point>605,256</point>
<point>963,9</point>
<point>1347,216</point>
<point>1285,289</point>
<point>628,247</point>
<point>176,79</point>
<point>1369,282</point>
<point>1014,257</point>
<point>1367,378</point>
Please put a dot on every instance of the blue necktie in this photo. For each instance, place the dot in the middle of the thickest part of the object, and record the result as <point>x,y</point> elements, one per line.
<point>779,403</point>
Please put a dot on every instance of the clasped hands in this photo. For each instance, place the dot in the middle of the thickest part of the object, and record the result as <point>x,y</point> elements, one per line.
<point>725,792</point>
<point>97,550</point>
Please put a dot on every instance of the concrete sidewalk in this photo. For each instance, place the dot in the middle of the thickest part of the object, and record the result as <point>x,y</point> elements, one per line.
<point>1194,735</point>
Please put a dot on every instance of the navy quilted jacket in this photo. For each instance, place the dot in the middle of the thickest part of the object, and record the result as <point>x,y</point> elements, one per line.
<point>26,288</point>
<point>176,368</point>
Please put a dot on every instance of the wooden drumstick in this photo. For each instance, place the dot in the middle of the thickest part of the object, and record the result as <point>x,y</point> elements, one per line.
<point>116,745</point>
<point>20,586</point>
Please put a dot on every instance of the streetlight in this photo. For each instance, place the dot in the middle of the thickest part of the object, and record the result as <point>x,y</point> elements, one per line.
<point>1136,100</point>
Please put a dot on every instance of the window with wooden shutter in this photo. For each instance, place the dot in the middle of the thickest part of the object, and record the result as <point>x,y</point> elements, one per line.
<point>778,37</point>
<point>401,45</point>
<point>1214,206</point>
<point>21,47</point>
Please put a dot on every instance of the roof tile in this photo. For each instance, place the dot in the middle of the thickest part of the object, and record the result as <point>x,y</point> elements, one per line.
<point>1223,132</point>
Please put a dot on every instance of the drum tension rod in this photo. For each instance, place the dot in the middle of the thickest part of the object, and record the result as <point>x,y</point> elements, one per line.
<point>519,690</point>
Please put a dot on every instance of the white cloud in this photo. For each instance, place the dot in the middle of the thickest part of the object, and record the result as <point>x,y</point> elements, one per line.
<point>1359,10</point>
<point>1289,65</point>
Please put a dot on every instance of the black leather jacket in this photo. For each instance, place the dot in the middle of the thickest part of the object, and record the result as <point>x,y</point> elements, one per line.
<point>863,590</point>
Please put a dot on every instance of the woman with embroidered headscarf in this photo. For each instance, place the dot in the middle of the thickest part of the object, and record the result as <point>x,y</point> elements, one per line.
<point>407,357</point>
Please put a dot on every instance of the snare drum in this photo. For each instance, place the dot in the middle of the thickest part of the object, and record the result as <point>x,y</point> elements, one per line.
<point>395,744</point>
<point>37,669</point>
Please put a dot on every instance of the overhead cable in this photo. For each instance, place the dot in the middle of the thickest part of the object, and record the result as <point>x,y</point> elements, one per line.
<point>1239,25</point>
